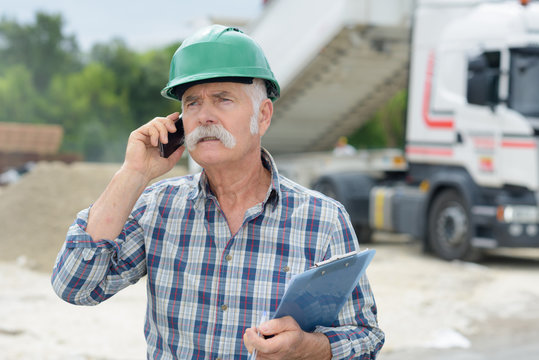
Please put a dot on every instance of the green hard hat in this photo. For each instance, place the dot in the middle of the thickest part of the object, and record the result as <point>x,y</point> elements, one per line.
<point>215,54</point>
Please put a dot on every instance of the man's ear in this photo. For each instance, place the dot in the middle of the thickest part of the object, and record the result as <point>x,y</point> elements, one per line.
<point>264,116</point>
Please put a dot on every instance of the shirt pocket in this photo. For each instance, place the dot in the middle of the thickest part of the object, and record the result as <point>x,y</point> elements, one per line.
<point>281,277</point>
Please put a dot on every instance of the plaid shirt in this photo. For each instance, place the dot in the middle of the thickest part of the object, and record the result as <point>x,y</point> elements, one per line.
<point>205,285</point>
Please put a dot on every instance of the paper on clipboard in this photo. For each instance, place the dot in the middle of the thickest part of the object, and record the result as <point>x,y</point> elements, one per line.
<point>316,296</point>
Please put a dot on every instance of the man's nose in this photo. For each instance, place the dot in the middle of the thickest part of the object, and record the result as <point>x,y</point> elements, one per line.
<point>206,115</point>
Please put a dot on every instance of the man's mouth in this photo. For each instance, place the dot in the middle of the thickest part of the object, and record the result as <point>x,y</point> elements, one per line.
<point>209,138</point>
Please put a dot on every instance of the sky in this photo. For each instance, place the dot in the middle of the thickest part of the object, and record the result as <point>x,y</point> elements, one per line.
<point>142,24</point>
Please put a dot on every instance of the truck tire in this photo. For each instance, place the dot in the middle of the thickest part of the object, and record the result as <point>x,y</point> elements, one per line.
<point>450,228</point>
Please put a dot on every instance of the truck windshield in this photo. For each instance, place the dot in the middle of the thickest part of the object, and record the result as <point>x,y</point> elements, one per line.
<point>524,83</point>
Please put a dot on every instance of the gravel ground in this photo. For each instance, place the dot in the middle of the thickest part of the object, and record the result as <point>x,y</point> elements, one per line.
<point>432,309</point>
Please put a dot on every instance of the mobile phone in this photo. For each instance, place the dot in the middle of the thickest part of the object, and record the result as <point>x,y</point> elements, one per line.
<point>175,140</point>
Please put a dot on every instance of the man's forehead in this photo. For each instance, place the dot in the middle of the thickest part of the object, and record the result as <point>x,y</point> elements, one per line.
<point>214,88</point>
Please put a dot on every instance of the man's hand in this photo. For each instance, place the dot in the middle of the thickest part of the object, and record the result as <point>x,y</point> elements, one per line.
<point>142,154</point>
<point>288,341</point>
<point>142,164</point>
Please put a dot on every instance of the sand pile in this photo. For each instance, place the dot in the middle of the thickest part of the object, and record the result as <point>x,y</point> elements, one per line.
<point>36,211</point>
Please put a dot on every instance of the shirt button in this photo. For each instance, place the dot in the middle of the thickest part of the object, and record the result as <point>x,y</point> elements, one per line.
<point>224,307</point>
<point>286,269</point>
<point>228,257</point>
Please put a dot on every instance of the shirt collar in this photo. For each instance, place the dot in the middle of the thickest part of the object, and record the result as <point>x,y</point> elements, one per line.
<point>203,191</point>
<point>274,191</point>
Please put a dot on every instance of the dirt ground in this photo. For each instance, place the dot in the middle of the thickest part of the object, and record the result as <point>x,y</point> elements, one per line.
<point>429,309</point>
<point>432,309</point>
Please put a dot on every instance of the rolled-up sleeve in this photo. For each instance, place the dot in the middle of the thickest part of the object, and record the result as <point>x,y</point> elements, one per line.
<point>89,271</point>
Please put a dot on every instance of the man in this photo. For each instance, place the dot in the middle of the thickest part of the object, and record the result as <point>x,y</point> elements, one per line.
<point>218,247</point>
<point>342,148</point>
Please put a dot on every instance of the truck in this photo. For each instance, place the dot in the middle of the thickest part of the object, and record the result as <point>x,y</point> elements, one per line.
<point>470,179</point>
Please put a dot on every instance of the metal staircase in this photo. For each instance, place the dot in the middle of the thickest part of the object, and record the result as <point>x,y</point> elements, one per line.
<point>333,79</point>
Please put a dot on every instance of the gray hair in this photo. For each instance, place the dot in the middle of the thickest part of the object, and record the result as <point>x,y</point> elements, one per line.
<point>258,93</point>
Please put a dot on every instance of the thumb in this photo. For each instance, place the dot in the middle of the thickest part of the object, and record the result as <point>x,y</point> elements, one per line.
<point>276,326</point>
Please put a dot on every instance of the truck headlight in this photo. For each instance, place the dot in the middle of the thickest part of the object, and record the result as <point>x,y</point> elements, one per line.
<point>523,214</point>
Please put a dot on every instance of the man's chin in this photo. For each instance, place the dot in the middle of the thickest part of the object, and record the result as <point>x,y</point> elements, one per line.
<point>202,149</point>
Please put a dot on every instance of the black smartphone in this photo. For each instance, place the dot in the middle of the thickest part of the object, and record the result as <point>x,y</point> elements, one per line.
<point>175,140</point>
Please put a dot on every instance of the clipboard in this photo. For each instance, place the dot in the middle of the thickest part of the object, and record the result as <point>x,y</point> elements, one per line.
<point>316,296</point>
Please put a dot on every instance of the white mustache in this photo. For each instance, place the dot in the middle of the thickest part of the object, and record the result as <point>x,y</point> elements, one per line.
<point>206,131</point>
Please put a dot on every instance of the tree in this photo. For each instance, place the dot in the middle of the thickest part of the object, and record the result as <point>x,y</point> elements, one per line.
<point>141,75</point>
<point>41,47</point>
<point>98,102</point>
<point>386,128</point>
<point>86,97</point>
<point>17,95</point>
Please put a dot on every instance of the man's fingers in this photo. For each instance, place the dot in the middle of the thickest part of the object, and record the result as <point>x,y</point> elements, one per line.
<point>254,341</point>
<point>166,125</point>
<point>173,116</point>
<point>162,130</point>
<point>142,154</point>
<point>276,326</point>
<point>157,130</point>
<point>248,338</point>
<point>153,134</point>
<point>170,122</point>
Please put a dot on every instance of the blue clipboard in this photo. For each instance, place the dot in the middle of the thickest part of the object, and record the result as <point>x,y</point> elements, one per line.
<point>316,296</point>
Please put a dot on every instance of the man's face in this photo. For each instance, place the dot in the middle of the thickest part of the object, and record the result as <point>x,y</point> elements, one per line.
<point>227,106</point>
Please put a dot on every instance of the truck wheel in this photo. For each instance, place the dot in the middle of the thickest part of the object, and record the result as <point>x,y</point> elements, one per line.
<point>450,228</point>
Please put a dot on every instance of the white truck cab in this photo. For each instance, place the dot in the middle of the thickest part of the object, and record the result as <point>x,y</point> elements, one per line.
<point>473,119</point>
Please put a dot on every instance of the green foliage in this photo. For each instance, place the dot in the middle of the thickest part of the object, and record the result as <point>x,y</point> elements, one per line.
<point>16,87</point>
<point>143,75</point>
<point>386,128</point>
<point>370,136</point>
<point>89,96</point>
<point>98,101</point>
<point>41,47</point>
<point>145,94</point>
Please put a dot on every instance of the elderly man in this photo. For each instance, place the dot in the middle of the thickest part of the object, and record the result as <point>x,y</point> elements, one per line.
<point>218,247</point>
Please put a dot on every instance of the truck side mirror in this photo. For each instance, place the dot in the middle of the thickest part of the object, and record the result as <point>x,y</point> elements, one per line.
<point>482,88</point>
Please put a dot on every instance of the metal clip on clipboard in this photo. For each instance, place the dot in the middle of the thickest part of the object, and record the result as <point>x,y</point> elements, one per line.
<point>335,258</point>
